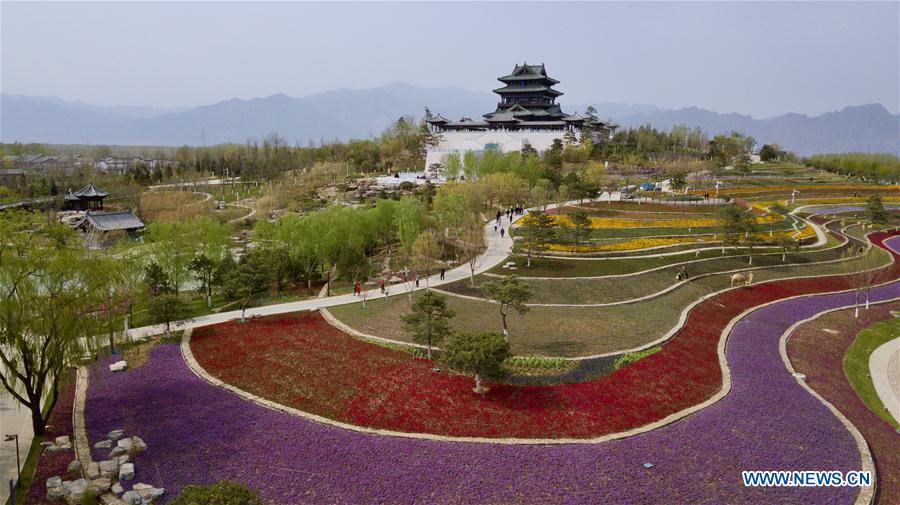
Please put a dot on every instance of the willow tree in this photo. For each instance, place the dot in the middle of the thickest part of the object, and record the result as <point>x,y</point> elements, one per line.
<point>408,219</point>
<point>51,294</point>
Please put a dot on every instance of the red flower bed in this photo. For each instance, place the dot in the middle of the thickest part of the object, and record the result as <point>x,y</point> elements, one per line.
<point>819,355</point>
<point>301,361</point>
<point>50,465</point>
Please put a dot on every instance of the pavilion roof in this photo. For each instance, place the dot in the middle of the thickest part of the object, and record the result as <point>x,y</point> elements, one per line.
<point>526,72</point>
<point>438,119</point>
<point>111,221</point>
<point>91,191</point>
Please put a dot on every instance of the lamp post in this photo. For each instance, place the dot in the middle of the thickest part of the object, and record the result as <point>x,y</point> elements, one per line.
<point>794,193</point>
<point>718,183</point>
<point>10,438</point>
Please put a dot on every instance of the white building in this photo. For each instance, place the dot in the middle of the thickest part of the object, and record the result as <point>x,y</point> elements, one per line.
<point>527,114</point>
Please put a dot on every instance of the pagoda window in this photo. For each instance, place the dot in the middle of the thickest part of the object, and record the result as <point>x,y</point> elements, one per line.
<point>522,84</point>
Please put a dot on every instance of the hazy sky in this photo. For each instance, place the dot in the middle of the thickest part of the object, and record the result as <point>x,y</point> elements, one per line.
<point>757,58</point>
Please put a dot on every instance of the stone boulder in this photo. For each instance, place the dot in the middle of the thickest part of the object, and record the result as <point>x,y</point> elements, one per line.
<point>115,434</point>
<point>109,468</point>
<point>74,466</point>
<point>103,444</point>
<point>126,471</point>
<point>132,498</point>
<point>103,484</point>
<point>92,471</point>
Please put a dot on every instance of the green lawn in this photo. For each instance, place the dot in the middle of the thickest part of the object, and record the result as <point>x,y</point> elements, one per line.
<point>567,267</point>
<point>574,331</point>
<point>613,289</point>
<point>856,364</point>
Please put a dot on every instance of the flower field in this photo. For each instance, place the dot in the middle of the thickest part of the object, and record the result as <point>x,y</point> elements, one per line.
<point>300,361</point>
<point>637,244</point>
<point>650,222</point>
<point>818,354</point>
<point>199,433</point>
<point>816,187</point>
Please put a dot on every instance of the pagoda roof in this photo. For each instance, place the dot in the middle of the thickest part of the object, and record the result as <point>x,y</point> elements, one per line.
<point>111,221</point>
<point>531,88</point>
<point>70,197</point>
<point>91,191</point>
<point>573,117</point>
<point>437,119</point>
<point>520,113</point>
<point>526,72</point>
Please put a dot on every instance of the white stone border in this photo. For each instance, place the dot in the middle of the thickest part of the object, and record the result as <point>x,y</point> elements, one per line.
<point>198,370</point>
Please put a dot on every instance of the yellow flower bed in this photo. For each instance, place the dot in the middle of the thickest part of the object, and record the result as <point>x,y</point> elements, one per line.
<point>819,187</point>
<point>606,222</point>
<point>627,245</point>
<point>646,243</point>
<point>823,201</point>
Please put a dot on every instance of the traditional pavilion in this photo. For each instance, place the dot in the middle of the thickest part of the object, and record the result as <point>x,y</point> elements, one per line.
<point>527,114</point>
<point>99,224</point>
<point>89,197</point>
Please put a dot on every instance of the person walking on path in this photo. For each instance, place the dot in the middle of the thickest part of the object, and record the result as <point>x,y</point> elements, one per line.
<point>501,232</point>
<point>381,285</point>
<point>443,271</point>
<point>417,280</point>
<point>356,288</point>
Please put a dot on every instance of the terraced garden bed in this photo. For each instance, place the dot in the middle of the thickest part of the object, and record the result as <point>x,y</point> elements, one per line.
<point>574,330</point>
<point>199,434</point>
<point>817,349</point>
<point>560,266</point>
<point>302,362</point>
<point>615,289</point>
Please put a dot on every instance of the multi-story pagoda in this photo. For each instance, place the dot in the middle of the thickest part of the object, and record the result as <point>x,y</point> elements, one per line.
<point>527,114</point>
<point>528,100</point>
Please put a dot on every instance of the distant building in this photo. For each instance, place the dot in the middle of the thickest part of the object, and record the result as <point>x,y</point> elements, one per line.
<point>120,165</point>
<point>12,177</point>
<point>527,114</point>
<point>41,164</point>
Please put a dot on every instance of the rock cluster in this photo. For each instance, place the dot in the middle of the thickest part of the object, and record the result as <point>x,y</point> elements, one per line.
<point>107,476</point>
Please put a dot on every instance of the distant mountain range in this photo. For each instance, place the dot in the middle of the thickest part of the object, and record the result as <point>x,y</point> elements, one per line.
<point>344,114</point>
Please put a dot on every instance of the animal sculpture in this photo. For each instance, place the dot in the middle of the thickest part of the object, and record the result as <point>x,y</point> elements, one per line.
<point>745,279</point>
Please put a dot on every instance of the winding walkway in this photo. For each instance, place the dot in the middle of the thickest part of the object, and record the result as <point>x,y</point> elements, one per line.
<point>768,420</point>
<point>884,365</point>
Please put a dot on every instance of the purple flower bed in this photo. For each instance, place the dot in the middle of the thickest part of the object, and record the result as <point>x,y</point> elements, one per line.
<point>842,209</point>
<point>199,434</point>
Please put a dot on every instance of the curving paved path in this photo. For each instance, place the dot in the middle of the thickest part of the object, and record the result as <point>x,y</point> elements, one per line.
<point>200,433</point>
<point>884,365</point>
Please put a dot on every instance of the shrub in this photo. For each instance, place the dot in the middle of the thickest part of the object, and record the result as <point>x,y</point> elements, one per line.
<point>631,357</point>
<point>220,493</point>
